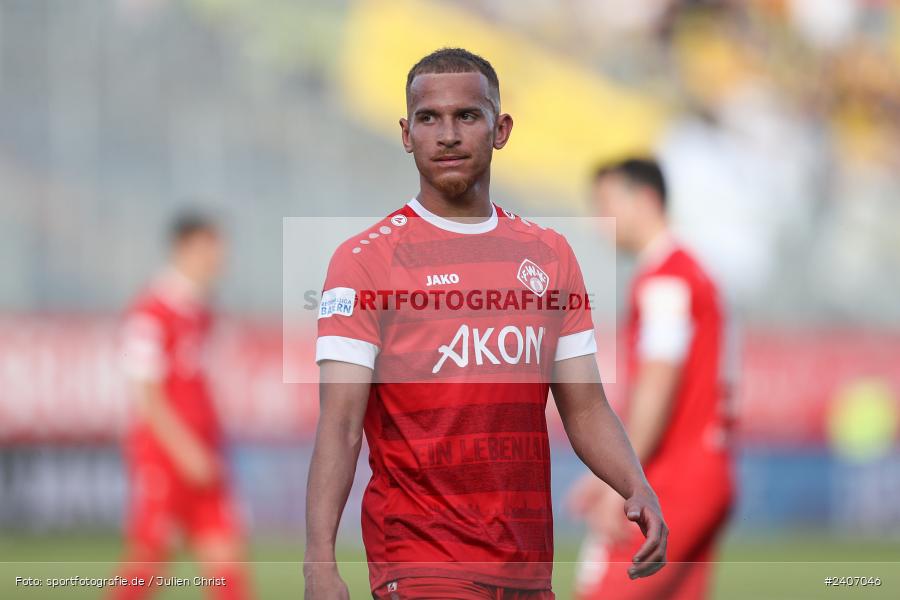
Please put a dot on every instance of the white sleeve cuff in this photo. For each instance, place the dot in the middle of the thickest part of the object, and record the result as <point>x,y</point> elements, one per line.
<point>665,341</point>
<point>143,357</point>
<point>576,344</point>
<point>666,328</point>
<point>143,362</point>
<point>348,350</point>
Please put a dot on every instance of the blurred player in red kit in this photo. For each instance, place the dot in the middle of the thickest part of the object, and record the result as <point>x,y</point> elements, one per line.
<point>447,375</point>
<point>675,413</point>
<point>173,450</point>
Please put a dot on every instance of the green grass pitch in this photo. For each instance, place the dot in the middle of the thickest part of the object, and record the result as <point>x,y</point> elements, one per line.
<point>789,568</point>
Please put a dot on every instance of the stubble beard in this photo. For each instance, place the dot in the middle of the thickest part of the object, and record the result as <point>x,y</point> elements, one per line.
<point>457,185</point>
<point>453,185</point>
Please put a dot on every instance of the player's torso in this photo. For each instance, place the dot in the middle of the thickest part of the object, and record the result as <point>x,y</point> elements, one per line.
<point>471,308</point>
<point>185,344</point>
<point>456,420</point>
<point>696,422</point>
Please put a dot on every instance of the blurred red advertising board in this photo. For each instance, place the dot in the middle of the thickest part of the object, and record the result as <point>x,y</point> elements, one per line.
<point>60,380</point>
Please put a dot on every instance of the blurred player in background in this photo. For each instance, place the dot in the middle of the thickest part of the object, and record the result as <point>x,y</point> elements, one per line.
<point>458,446</point>
<point>176,465</point>
<point>675,402</point>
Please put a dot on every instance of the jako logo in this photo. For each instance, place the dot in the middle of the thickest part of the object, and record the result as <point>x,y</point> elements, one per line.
<point>533,277</point>
<point>527,345</point>
<point>442,279</point>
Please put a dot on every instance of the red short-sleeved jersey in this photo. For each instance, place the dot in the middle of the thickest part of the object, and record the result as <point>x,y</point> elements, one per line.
<point>675,314</point>
<point>462,324</point>
<point>163,340</point>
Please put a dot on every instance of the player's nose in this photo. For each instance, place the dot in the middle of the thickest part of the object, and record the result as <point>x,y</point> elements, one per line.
<point>448,135</point>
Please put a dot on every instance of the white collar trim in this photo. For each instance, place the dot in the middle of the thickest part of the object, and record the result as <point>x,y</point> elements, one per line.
<point>454,226</point>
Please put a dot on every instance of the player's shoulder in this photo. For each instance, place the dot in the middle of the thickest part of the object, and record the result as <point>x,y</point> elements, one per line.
<point>377,242</point>
<point>529,228</point>
<point>147,316</point>
<point>679,266</point>
<point>546,243</point>
<point>683,262</point>
<point>148,302</point>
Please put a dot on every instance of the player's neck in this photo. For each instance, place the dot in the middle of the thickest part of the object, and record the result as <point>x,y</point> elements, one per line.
<point>651,238</point>
<point>471,206</point>
<point>188,283</point>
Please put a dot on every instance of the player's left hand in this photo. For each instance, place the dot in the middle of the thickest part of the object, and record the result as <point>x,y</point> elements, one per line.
<point>643,508</point>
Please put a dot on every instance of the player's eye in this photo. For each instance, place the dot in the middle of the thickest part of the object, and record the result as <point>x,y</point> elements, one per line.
<point>426,118</point>
<point>467,116</point>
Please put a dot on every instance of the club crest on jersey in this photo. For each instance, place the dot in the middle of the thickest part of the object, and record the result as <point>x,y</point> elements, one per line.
<point>533,277</point>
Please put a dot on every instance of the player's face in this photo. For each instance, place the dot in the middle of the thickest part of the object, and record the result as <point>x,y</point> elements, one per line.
<point>614,198</point>
<point>212,249</point>
<point>204,255</point>
<point>452,130</point>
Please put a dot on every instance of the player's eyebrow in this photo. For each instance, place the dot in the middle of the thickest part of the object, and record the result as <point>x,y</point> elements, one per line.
<point>431,112</point>
<point>425,112</point>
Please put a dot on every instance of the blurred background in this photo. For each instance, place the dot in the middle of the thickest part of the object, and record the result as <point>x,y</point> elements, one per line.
<point>777,121</point>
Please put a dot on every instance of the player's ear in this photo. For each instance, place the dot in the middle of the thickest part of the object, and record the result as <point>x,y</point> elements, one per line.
<point>404,134</point>
<point>648,200</point>
<point>502,130</point>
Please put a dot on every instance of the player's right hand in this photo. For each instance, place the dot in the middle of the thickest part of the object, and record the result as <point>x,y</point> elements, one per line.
<point>585,494</point>
<point>323,582</point>
<point>607,517</point>
<point>199,467</point>
<point>600,506</point>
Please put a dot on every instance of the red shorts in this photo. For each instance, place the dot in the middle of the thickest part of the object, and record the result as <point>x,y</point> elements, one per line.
<point>162,505</point>
<point>445,588</point>
<point>695,511</point>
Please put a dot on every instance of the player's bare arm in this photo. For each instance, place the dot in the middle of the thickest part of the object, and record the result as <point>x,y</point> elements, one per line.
<point>587,417</point>
<point>196,463</point>
<point>651,405</point>
<point>648,416</point>
<point>343,396</point>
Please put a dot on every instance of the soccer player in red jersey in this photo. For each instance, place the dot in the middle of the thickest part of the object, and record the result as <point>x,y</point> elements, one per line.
<point>438,342</point>
<point>173,450</point>
<point>675,401</point>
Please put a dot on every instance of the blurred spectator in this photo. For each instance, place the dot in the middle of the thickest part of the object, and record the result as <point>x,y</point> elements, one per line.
<point>783,141</point>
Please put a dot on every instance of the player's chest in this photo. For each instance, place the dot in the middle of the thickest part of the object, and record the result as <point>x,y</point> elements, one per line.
<point>517,273</point>
<point>186,346</point>
<point>494,318</point>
